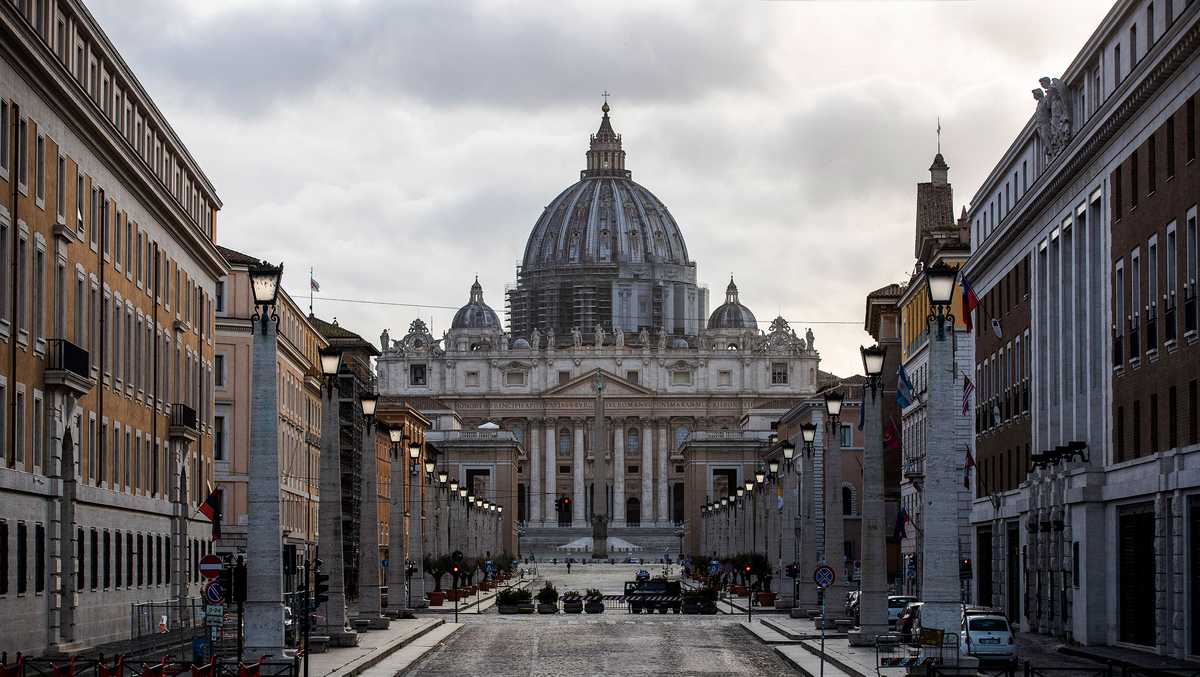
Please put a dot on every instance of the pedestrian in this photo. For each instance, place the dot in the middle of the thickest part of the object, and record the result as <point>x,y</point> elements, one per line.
<point>568,566</point>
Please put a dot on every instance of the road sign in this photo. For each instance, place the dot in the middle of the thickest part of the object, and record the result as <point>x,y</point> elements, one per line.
<point>213,593</point>
<point>210,566</point>
<point>214,614</point>
<point>824,576</point>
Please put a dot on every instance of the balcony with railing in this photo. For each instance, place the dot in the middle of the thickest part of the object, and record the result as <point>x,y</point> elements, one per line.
<point>67,367</point>
<point>184,424</point>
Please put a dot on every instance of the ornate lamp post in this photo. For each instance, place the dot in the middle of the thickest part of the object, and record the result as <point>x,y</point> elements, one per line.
<point>264,547</point>
<point>805,540</point>
<point>872,602</point>
<point>940,584</point>
<point>370,606</point>
<point>397,558</point>
<point>834,551</point>
<point>416,524</point>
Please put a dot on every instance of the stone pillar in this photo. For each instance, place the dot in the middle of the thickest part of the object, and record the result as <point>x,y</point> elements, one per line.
<point>535,473</point>
<point>807,594</point>
<point>329,521</point>
<point>647,517</point>
<point>664,451</point>
<point>551,485</point>
<point>416,542</point>
<point>618,470</point>
<point>370,601</point>
<point>579,502</point>
<point>835,549</point>
<point>872,605</point>
<point>939,513</point>
<point>264,539</point>
<point>397,557</point>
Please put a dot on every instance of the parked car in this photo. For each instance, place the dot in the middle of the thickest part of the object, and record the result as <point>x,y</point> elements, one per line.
<point>988,637</point>
<point>896,604</point>
<point>909,622</point>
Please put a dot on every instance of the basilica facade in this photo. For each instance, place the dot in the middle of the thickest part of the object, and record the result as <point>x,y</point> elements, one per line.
<point>609,362</point>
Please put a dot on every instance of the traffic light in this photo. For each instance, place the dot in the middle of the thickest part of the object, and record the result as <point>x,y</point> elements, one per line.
<point>964,568</point>
<point>239,581</point>
<point>456,557</point>
<point>225,578</point>
<point>320,584</point>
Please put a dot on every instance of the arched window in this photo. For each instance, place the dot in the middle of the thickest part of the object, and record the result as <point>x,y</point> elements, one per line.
<point>681,434</point>
<point>564,442</point>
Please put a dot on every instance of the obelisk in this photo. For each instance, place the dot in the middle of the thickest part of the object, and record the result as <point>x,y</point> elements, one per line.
<point>600,475</point>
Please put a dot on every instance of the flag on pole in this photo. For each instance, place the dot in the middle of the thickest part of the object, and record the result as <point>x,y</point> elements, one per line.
<point>969,302</point>
<point>902,518</point>
<point>967,465</point>
<point>968,390</point>
<point>211,508</point>
<point>905,391</point>
<point>313,284</point>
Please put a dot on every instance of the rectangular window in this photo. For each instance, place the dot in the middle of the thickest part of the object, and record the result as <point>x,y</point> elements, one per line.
<point>79,570</point>
<point>22,154</point>
<point>632,375</point>
<point>220,296</point>
<point>107,560</point>
<point>1190,128</point>
<point>39,558</point>
<point>41,455</point>
<point>1137,428</point>
<point>1172,417</point>
<point>129,560</point>
<point>4,151</point>
<point>78,202</point>
<point>1133,179</point>
<point>1151,164</point>
<point>417,374</point>
<point>19,423</point>
<point>1119,298</point>
<point>219,369</point>
<point>117,559</point>
<point>1190,263</point>
<point>1152,293</point>
<point>1150,25</point>
<point>1153,423</point>
<point>1193,412</point>
<point>681,377</point>
<point>779,373</point>
<point>22,558</point>
<point>1120,434</point>
<point>846,436</point>
<point>1171,146</point>
<point>1117,204</point>
<point>40,159</point>
<point>1117,63</point>
<point>60,202</point>
<point>39,297</point>
<point>219,438</point>
<point>94,215</point>
<point>3,558</point>
<point>514,378</point>
<point>472,379</point>
<point>725,377</point>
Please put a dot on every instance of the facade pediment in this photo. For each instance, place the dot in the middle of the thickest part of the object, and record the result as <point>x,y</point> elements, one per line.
<point>582,386</point>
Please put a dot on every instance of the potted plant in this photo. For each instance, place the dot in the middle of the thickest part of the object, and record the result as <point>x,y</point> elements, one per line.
<point>593,601</point>
<point>572,602</point>
<point>434,568</point>
<point>547,599</point>
<point>514,601</point>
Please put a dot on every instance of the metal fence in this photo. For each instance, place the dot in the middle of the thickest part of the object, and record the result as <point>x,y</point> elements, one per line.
<point>1028,669</point>
<point>120,667</point>
<point>165,618</point>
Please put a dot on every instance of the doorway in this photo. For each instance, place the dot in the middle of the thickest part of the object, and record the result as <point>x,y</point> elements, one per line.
<point>633,512</point>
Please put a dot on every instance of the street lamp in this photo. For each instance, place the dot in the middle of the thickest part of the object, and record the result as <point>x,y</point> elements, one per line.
<point>872,359</point>
<point>453,488</point>
<point>368,402</point>
<point>939,283</point>
<point>773,465</point>
<point>442,475</point>
<point>808,432</point>
<point>429,467</point>
<point>264,283</point>
<point>414,453</point>
<point>759,476</point>
<point>331,360</point>
<point>833,404</point>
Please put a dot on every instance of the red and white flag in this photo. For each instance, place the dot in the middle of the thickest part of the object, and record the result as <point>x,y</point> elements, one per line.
<point>968,390</point>
<point>967,465</point>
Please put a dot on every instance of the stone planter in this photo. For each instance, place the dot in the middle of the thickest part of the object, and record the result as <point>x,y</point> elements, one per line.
<point>452,594</point>
<point>525,608</point>
<point>766,599</point>
<point>547,608</point>
<point>506,609</point>
<point>573,606</point>
<point>436,597</point>
<point>594,606</point>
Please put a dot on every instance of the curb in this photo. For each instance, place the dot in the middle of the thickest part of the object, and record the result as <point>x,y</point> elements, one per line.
<point>370,660</point>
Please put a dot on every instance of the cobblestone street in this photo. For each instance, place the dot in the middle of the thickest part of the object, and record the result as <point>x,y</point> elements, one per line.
<point>612,643</point>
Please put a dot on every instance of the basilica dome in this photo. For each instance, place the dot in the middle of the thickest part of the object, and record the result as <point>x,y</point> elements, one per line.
<point>476,314</point>
<point>605,217</point>
<point>732,314</point>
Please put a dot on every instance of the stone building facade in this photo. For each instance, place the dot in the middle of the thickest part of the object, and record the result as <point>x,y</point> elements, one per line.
<point>665,370</point>
<point>1085,432</point>
<point>109,275</point>
<point>299,416</point>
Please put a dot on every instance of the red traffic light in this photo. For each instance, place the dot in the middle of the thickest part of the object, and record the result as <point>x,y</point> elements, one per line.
<point>747,568</point>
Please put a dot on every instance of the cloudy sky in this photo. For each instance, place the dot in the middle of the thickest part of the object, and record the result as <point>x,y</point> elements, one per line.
<point>399,148</point>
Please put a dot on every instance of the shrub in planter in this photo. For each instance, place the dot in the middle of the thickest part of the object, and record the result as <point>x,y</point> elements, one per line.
<point>547,599</point>
<point>766,598</point>
<point>572,602</point>
<point>593,602</point>
<point>436,597</point>
<point>700,601</point>
<point>514,601</point>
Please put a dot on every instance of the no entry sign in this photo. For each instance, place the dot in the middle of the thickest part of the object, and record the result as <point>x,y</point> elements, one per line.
<point>210,566</point>
<point>824,576</point>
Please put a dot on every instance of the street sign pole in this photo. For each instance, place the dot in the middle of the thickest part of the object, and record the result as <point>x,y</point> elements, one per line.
<point>821,595</point>
<point>823,576</point>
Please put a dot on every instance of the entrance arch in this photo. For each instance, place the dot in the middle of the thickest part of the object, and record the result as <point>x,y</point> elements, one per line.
<point>633,512</point>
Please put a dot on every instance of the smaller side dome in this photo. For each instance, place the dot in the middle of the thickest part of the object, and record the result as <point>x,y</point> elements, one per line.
<point>732,314</point>
<point>520,344</point>
<point>476,314</point>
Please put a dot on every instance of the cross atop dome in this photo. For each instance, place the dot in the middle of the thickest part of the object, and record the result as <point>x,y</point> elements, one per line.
<point>605,156</point>
<point>731,292</point>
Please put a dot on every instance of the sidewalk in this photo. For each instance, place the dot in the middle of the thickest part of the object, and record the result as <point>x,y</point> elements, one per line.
<point>477,603</point>
<point>373,647</point>
<point>803,635</point>
<point>1121,656</point>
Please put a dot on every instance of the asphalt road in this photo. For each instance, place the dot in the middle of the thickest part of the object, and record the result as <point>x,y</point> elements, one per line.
<point>603,644</point>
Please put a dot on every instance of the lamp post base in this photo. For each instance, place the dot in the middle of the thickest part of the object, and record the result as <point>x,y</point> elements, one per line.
<point>865,636</point>
<point>340,637</point>
<point>375,622</point>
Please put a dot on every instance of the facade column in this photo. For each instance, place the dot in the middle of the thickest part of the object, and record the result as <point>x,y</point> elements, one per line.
<point>579,502</point>
<point>806,533</point>
<point>416,540</point>
<point>939,512</point>
<point>835,548</point>
<point>551,484</point>
<point>647,516</point>
<point>370,604</point>
<point>873,601</point>
<point>535,472</point>
<point>664,450</point>
<point>397,557</point>
<point>618,466</point>
<point>329,519</point>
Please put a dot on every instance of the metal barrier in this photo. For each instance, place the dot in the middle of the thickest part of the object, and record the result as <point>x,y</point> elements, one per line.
<point>120,667</point>
<point>1027,669</point>
<point>158,618</point>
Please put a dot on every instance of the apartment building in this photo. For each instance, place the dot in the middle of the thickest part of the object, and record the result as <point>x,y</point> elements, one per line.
<point>299,388</point>
<point>108,275</point>
<point>1086,517</point>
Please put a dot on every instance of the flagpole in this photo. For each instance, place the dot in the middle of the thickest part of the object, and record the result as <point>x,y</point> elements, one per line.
<point>310,290</point>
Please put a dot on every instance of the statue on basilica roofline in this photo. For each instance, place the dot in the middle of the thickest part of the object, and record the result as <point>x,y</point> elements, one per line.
<point>644,338</point>
<point>535,340</point>
<point>809,338</point>
<point>576,337</point>
<point>1053,116</point>
<point>599,335</point>
<point>619,337</point>
<point>550,338</point>
<point>384,341</point>
<point>662,339</point>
